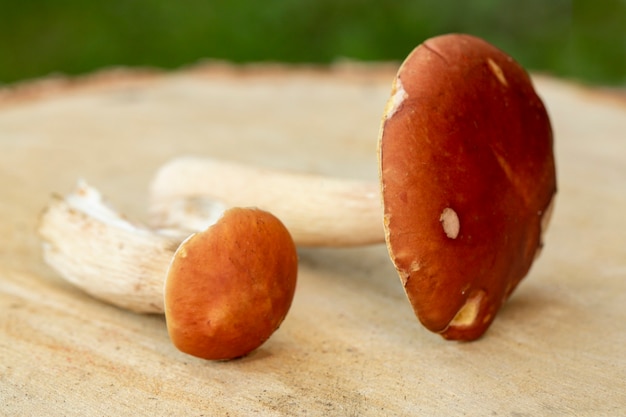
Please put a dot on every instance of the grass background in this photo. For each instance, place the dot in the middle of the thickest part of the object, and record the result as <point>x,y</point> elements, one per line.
<point>584,40</point>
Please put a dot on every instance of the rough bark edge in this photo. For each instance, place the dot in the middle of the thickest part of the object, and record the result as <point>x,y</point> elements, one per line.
<point>57,84</point>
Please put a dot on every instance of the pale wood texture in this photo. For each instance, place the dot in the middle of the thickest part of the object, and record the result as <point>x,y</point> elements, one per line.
<point>351,344</point>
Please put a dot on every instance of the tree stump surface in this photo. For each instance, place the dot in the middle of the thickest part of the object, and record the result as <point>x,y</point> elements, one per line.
<point>350,344</point>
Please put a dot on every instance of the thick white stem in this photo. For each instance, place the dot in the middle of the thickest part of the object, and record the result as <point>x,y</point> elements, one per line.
<point>96,249</point>
<point>125,264</point>
<point>187,192</point>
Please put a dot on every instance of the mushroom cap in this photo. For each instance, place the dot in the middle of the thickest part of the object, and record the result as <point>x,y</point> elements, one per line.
<point>468,176</point>
<point>229,287</point>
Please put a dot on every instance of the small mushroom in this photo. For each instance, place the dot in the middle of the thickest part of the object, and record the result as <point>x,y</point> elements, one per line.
<point>467,176</point>
<point>228,288</point>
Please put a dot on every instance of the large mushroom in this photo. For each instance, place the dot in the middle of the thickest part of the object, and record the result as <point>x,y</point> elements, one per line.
<point>467,176</point>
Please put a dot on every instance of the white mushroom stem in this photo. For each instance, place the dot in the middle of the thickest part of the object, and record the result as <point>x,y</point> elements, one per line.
<point>318,211</point>
<point>99,251</point>
<point>95,248</point>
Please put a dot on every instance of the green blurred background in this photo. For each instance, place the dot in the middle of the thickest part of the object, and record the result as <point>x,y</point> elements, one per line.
<point>584,40</point>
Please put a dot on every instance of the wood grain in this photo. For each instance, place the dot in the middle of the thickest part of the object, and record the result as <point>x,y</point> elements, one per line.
<point>350,345</point>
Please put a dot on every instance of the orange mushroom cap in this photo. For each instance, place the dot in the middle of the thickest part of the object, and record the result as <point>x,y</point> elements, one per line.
<point>468,177</point>
<point>229,287</point>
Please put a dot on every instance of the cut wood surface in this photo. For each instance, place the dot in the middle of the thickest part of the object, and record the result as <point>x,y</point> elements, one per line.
<point>351,345</point>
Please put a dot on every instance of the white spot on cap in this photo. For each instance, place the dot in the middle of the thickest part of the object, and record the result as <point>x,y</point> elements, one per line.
<point>466,316</point>
<point>397,97</point>
<point>546,216</point>
<point>450,222</point>
<point>497,71</point>
<point>415,266</point>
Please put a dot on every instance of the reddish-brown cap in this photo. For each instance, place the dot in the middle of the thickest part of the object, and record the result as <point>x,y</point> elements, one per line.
<point>230,287</point>
<point>468,177</point>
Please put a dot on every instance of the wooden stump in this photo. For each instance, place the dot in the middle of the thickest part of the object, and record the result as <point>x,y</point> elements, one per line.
<point>351,344</point>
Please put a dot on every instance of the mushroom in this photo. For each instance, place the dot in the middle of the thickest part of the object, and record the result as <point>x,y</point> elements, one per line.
<point>229,287</point>
<point>224,290</point>
<point>467,176</point>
